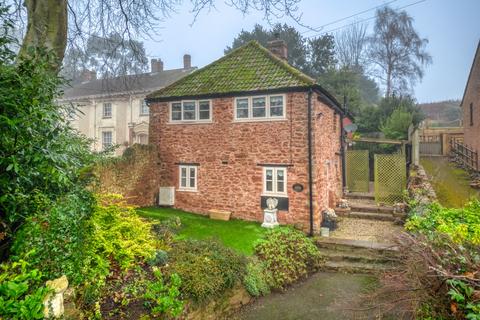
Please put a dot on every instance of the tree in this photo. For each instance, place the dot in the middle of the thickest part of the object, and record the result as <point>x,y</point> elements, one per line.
<point>321,55</point>
<point>110,57</point>
<point>313,57</point>
<point>297,49</point>
<point>359,90</point>
<point>397,124</point>
<point>50,23</point>
<point>350,46</point>
<point>397,51</point>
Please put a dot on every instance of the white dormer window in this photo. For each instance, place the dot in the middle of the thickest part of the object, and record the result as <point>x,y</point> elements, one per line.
<point>260,108</point>
<point>191,111</point>
<point>143,108</point>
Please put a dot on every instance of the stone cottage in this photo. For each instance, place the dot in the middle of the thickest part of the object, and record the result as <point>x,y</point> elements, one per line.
<point>246,128</point>
<point>471,105</point>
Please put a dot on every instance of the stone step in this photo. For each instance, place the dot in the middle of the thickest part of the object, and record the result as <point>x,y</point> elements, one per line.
<point>359,247</point>
<point>354,256</point>
<point>359,207</point>
<point>372,216</point>
<point>356,267</point>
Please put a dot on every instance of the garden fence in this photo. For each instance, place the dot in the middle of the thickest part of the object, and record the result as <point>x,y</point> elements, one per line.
<point>468,157</point>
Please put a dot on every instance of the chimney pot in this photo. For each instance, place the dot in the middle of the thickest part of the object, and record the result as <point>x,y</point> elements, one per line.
<point>187,61</point>
<point>279,48</point>
<point>156,65</point>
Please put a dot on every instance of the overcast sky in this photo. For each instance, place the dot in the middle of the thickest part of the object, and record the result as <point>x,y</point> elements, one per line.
<point>452,27</point>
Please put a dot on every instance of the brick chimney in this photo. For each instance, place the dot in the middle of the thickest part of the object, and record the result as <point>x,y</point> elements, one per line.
<point>156,65</point>
<point>88,75</point>
<point>279,48</point>
<point>187,61</point>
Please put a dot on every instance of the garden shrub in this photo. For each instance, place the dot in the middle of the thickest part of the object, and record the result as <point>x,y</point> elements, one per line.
<point>119,238</point>
<point>162,298</point>
<point>206,268</point>
<point>446,242</point>
<point>22,290</point>
<point>56,234</point>
<point>257,278</point>
<point>288,255</point>
<point>40,153</point>
<point>460,224</point>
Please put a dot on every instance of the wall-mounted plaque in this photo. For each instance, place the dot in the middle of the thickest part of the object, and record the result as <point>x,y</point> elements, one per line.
<point>297,187</point>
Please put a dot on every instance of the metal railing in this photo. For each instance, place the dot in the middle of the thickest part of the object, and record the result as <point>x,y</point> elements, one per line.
<point>468,156</point>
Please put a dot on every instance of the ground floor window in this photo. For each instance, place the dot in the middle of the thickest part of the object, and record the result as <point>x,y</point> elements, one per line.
<point>188,178</point>
<point>107,139</point>
<point>275,181</point>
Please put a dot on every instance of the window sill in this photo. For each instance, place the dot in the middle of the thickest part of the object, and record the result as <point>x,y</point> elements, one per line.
<point>274,195</point>
<point>144,114</point>
<point>188,190</point>
<point>106,117</point>
<point>259,120</point>
<point>190,122</point>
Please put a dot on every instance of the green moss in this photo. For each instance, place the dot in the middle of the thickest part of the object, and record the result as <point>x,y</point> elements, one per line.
<point>237,234</point>
<point>248,68</point>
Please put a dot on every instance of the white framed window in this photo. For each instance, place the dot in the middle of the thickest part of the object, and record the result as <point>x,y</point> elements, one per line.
<point>275,181</point>
<point>260,108</point>
<point>143,108</point>
<point>191,111</point>
<point>107,139</point>
<point>107,110</point>
<point>187,178</point>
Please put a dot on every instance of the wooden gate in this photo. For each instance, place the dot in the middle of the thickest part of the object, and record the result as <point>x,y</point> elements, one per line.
<point>357,170</point>
<point>432,148</point>
<point>390,177</point>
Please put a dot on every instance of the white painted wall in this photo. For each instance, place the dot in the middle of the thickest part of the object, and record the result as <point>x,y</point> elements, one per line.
<point>89,120</point>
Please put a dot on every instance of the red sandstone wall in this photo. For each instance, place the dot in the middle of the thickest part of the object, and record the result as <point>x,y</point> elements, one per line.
<point>472,95</point>
<point>237,185</point>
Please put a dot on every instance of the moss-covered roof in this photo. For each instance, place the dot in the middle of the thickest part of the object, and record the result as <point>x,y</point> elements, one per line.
<point>248,68</point>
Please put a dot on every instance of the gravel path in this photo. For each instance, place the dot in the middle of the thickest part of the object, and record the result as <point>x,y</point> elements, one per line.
<point>368,230</point>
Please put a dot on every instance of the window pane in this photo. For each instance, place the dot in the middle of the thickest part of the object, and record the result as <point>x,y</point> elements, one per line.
<point>183,180</point>
<point>276,106</point>
<point>143,107</point>
<point>242,108</point>
<point>106,139</point>
<point>192,177</point>
<point>107,110</point>
<point>269,180</point>
<point>204,113</point>
<point>189,111</point>
<point>176,111</point>
<point>269,186</point>
<point>258,107</point>
<point>280,180</point>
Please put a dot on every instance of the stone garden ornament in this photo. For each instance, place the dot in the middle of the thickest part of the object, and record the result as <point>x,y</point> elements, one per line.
<point>53,302</point>
<point>270,214</point>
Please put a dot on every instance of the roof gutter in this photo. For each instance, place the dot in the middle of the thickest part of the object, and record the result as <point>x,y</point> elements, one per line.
<point>310,160</point>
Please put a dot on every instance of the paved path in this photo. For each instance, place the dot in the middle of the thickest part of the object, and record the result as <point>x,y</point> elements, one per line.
<point>323,296</point>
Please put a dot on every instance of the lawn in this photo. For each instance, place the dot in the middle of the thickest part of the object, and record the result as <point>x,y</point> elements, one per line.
<point>451,184</point>
<point>237,234</point>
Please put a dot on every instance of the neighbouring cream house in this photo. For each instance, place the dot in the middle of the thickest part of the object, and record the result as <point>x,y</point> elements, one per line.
<point>113,111</point>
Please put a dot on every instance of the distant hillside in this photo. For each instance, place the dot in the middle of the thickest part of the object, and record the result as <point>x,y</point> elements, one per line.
<point>442,111</point>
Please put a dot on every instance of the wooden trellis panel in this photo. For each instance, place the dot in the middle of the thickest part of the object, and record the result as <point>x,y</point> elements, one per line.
<point>390,177</point>
<point>357,169</point>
